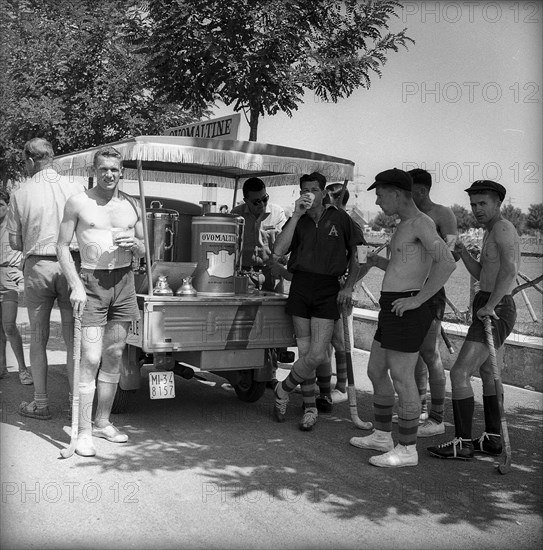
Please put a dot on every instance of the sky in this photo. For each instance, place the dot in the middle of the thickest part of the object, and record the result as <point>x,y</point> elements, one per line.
<point>464,103</point>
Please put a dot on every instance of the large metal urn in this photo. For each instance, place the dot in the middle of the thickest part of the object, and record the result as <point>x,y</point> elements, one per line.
<point>162,226</point>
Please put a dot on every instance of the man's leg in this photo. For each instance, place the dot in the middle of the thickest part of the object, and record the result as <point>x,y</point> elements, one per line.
<point>11,333</point>
<point>339,394</point>
<point>421,378</point>
<point>383,402</point>
<point>320,333</point>
<point>91,355</point>
<point>402,369</point>
<point>39,319</point>
<point>3,342</point>
<point>115,335</point>
<point>489,441</point>
<point>472,355</point>
<point>429,351</point>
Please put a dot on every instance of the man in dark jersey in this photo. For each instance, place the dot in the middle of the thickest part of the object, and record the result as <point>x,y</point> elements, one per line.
<point>419,265</point>
<point>322,244</point>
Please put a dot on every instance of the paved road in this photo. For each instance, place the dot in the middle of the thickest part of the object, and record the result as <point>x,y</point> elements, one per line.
<point>208,471</point>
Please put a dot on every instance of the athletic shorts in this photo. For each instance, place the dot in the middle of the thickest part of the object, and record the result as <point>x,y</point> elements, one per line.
<point>8,287</point>
<point>45,282</point>
<point>404,333</point>
<point>313,295</point>
<point>437,304</point>
<point>506,310</point>
<point>111,296</point>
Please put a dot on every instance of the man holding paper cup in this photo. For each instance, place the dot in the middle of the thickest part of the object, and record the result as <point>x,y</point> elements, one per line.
<point>420,264</point>
<point>108,227</point>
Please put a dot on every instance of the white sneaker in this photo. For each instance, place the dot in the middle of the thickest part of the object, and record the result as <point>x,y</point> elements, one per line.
<point>339,396</point>
<point>431,428</point>
<point>377,441</point>
<point>400,456</point>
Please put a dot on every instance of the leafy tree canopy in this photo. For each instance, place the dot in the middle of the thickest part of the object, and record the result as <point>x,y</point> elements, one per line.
<point>534,219</point>
<point>71,72</point>
<point>515,216</point>
<point>382,221</point>
<point>260,55</point>
<point>464,218</point>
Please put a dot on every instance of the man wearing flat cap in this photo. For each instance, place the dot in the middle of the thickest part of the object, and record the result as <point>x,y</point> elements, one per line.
<point>496,271</point>
<point>420,264</point>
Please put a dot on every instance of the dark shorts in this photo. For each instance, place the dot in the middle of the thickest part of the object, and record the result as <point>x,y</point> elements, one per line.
<point>111,296</point>
<point>506,310</point>
<point>313,295</point>
<point>404,333</point>
<point>437,304</point>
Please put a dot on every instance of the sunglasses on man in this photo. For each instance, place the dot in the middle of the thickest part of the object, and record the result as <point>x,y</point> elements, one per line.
<point>263,200</point>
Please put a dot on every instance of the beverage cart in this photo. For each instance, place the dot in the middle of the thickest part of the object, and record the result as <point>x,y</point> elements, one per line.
<point>217,322</point>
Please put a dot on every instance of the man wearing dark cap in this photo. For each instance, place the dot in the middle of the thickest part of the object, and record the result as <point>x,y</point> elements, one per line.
<point>430,357</point>
<point>496,271</point>
<point>420,264</point>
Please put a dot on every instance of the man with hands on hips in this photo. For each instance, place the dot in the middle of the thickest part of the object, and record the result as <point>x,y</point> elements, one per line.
<point>419,265</point>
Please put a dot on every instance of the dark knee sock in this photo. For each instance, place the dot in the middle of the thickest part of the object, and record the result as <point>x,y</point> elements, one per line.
<point>291,381</point>
<point>492,414</point>
<point>463,416</point>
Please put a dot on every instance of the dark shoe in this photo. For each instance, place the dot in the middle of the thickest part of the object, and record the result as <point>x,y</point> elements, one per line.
<point>461,449</point>
<point>490,444</point>
<point>324,404</point>
<point>280,406</point>
<point>32,411</point>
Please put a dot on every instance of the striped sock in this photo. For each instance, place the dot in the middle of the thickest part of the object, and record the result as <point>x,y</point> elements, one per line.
<point>341,370</point>
<point>382,410</point>
<point>407,430</point>
<point>437,390</point>
<point>291,381</point>
<point>42,400</point>
<point>325,386</point>
<point>308,393</point>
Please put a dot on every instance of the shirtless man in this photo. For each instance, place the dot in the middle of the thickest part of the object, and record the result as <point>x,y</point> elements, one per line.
<point>419,265</point>
<point>496,272</point>
<point>107,224</point>
<point>430,357</point>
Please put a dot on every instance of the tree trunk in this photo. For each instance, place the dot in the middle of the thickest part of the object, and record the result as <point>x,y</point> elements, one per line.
<point>253,124</point>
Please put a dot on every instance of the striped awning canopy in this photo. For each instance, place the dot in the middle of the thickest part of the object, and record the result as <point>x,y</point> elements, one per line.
<point>174,159</point>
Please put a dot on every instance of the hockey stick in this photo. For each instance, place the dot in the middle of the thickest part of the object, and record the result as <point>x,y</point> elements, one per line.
<point>351,390</point>
<point>506,466</point>
<point>68,452</point>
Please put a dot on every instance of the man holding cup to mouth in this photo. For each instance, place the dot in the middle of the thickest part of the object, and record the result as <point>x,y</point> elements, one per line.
<point>322,244</point>
<point>109,230</point>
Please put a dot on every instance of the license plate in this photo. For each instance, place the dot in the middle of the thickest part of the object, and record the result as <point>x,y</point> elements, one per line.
<point>161,385</point>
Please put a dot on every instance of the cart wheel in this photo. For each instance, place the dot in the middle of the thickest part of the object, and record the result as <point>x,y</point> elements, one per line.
<point>250,390</point>
<point>121,400</point>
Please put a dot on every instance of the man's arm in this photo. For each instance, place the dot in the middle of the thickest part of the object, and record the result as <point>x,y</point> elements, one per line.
<point>78,296</point>
<point>448,227</point>
<point>472,265</point>
<point>14,226</point>
<point>345,294</point>
<point>508,250</point>
<point>283,240</point>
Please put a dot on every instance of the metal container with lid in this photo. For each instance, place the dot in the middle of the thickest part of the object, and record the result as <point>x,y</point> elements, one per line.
<point>162,227</point>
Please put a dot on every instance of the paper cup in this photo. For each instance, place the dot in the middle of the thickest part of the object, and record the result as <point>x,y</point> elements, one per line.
<point>311,197</point>
<point>362,251</point>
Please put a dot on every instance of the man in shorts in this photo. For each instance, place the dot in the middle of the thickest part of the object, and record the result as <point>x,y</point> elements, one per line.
<point>107,224</point>
<point>322,244</point>
<point>496,271</point>
<point>429,364</point>
<point>35,213</point>
<point>419,265</point>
